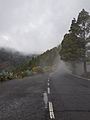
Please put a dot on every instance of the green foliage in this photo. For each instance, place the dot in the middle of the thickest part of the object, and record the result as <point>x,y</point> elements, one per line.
<point>34,62</point>
<point>73,46</point>
<point>83,22</point>
<point>37,69</point>
<point>25,73</point>
<point>45,59</point>
<point>47,68</point>
<point>6,76</point>
<point>71,49</point>
<point>27,66</point>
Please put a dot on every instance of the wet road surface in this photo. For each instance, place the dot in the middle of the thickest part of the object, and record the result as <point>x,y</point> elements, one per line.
<point>70,96</point>
<point>56,96</point>
<point>23,99</point>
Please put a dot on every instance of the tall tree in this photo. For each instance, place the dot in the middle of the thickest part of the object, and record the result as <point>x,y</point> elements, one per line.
<point>74,43</point>
<point>71,50</point>
<point>83,33</point>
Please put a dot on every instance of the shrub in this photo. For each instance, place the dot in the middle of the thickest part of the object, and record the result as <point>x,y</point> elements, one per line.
<point>37,69</point>
<point>47,68</point>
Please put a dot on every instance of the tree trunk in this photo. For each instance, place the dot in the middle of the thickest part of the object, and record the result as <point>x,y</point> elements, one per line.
<point>85,67</point>
<point>73,67</point>
<point>85,62</point>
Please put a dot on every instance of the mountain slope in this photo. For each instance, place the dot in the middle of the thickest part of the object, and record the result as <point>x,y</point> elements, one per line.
<point>10,59</point>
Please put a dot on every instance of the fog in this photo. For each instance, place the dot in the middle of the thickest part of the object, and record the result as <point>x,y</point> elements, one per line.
<point>62,67</point>
<point>33,26</point>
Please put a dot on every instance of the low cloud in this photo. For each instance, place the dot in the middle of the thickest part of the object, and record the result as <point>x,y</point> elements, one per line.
<point>33,26</point>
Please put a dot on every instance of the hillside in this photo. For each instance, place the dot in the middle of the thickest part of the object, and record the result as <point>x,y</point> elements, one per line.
<point>48,58</point>
<point>10,59</point>
<point>16,65</point>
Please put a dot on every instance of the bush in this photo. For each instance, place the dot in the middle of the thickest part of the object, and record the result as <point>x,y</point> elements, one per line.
<point>26,73</point>
<point>37,69</point>
<point>2,77</point>
<point>47,68</point>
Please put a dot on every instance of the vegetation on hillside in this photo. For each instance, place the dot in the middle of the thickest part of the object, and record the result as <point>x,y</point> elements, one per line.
<point>73,48</point>
<point>11,63</point>
<point>19,66</point>
<point>45,59</point>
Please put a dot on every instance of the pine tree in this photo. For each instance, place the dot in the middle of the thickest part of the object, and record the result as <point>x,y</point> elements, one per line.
<point>74,43</point>
<point>71,50</point>
<point>83,22</point>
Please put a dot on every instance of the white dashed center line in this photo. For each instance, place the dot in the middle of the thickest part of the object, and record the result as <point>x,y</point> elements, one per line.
<point>48,90</point>
<point>52,116</point>
<point>48,84</point>
<point>47,101</point>
<point>45,97</point>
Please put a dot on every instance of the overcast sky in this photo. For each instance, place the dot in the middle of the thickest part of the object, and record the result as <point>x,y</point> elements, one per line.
<point>33,26</point>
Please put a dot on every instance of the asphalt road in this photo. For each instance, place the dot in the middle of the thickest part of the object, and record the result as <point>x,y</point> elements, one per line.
<point>70,96</point>
<point>66,98</point>
<point>23,99</point>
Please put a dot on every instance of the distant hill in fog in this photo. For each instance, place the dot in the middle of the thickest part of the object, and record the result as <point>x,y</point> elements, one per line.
<point>10,58</point>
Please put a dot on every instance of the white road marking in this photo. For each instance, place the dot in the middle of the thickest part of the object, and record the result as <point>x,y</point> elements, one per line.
<point>45,98</point>
<point>50,107</point>
<point>51,112</point>
<point>48,84</point>
<point>48,90</point>
<point>52,116</point>
<point>48,79</point>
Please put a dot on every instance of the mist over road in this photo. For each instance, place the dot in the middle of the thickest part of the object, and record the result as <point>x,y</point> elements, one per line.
<point>66,97</point>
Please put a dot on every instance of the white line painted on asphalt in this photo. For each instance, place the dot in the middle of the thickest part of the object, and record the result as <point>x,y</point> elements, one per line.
<point>51,112</point>
<point>48,84</point>
<point>50,107</point>
<point>79,76</point>
<point>52,116</point>
<point>48,90</point>
<point>45,98</point>
<point>48,79</point>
